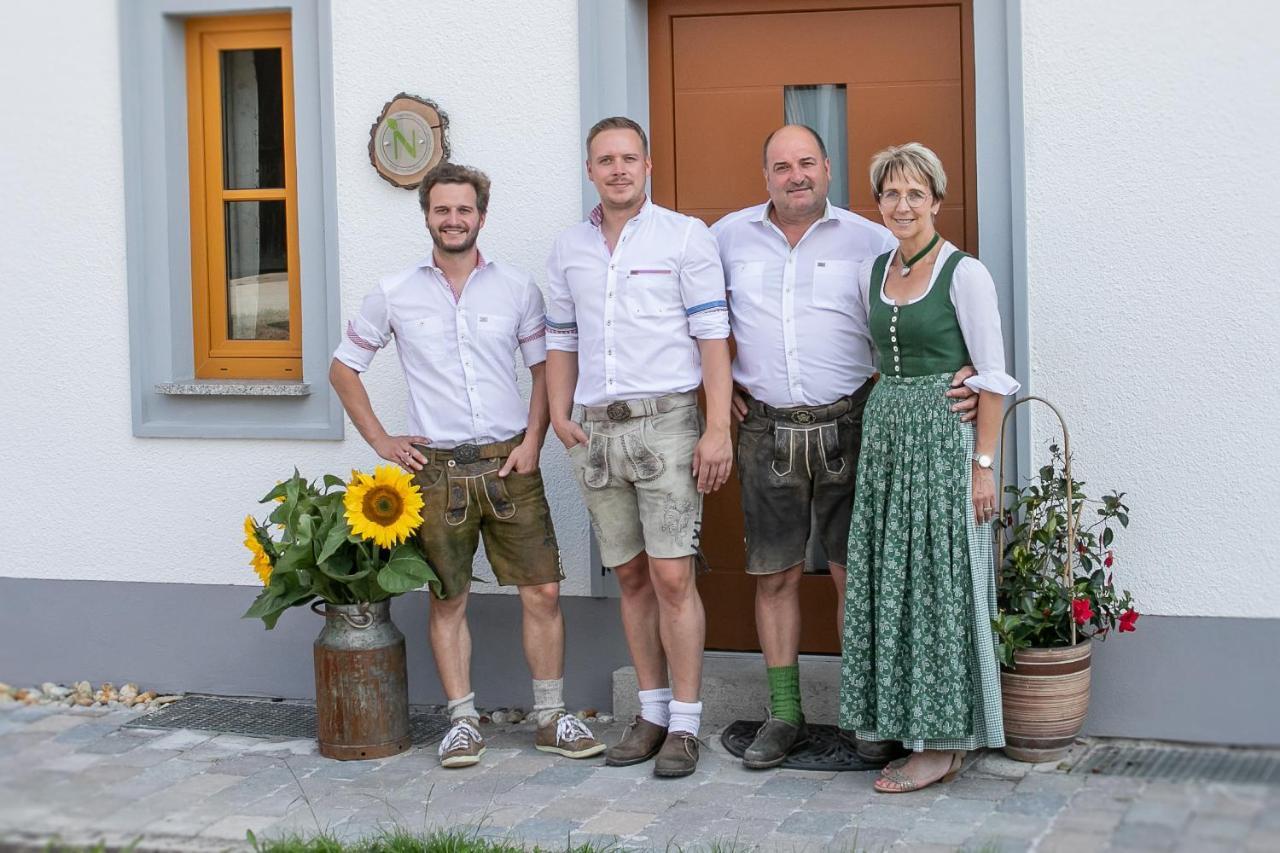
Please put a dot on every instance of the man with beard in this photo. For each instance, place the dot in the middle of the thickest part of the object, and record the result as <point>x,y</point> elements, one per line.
<point>802,374</point>
<point>457,319</point>
<point>636,321</point>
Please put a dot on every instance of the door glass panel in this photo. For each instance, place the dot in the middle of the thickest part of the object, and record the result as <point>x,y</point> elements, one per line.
<point>252,119</point>
<point>257,271</point>
<point>823,108</point>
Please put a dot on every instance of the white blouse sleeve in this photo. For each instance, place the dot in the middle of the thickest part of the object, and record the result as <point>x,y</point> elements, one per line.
<point>973,294</point>
<point>864,302</point>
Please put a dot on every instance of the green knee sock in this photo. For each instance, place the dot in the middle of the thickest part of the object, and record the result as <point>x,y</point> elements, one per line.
<point>784,692</point>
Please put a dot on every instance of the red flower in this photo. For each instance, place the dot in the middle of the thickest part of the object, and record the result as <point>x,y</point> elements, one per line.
<point>1128,619</point>
<point>1081,611</point>
<point>1080,547</point>
<point>1107,562</point>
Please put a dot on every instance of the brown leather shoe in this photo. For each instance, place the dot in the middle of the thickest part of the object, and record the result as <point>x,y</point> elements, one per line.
<point>879,751</point>
<point>568,736</point>
<point>678,756</point>
<point>640,742</point>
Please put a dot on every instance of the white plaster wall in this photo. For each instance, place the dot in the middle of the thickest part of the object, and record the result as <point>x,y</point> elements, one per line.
<point>85,499</point>
<point>1152,190</point>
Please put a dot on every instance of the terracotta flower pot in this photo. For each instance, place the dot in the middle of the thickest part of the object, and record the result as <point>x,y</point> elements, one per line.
<point>1046,698</point>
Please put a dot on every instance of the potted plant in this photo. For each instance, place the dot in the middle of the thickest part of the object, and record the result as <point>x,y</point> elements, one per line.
<point>1056,592</point>
<point>349,547</point>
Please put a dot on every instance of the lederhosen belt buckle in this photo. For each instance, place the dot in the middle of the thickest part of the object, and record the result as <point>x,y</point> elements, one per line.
<point>804,417</point>
<point>618,410</point>
<point>465,453</point>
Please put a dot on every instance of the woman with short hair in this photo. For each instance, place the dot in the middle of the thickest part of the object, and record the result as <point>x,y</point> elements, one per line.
<point>919,661</point>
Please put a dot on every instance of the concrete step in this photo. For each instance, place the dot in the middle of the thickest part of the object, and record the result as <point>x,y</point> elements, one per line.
<point>734,687</point>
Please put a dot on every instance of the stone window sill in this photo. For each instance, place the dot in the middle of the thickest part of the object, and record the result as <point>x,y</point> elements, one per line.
<point>233,388</point>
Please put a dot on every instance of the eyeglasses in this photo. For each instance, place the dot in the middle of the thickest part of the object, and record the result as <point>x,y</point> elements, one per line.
<point>915,198</point>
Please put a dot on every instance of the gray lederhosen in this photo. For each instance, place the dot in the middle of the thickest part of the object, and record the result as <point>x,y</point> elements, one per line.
<point>636,474</point>
<point>797,467</point>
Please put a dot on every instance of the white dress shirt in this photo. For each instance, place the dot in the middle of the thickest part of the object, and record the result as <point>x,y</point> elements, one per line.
<point>633,315</point>
<point>973,294</point>
<point>458,353</point>
<point>801,333</point>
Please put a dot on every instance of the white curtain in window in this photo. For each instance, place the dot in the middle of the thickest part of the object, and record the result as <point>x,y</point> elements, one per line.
<point>823,108</point>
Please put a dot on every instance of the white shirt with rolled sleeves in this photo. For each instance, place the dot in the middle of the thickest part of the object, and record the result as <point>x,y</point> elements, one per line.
<point>802,336</point>
<point>634,316</point>
<point>458,354</point>
<point>973,294</point>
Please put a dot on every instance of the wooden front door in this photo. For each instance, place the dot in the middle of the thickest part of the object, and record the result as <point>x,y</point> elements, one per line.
<point>722,75</point>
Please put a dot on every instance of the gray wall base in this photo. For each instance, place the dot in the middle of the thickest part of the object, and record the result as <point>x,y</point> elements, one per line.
<point>189,638</point>
<point>1212,680</point>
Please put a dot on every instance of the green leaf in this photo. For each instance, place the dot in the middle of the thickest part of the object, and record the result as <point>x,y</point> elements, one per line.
<point>337,536</point>
<point>1107,536</point>
<point>296,556</point>
<point>332,482</point>
<point>266,601</point>
<point>405,570</point>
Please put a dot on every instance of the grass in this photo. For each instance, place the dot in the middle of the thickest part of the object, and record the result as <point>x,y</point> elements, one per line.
<point>403,841</point>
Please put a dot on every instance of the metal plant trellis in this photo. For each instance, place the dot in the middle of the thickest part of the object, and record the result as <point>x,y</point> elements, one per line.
<point>1073,520</point>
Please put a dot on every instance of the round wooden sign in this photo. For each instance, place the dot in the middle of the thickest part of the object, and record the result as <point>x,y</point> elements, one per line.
<point>408,139</point>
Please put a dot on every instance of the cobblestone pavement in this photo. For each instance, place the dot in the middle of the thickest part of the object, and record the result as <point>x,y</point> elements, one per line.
<point>81,778</point>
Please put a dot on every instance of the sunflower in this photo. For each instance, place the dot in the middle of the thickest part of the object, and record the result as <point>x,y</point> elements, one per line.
<point>261,562</point>
<point>385,507</point>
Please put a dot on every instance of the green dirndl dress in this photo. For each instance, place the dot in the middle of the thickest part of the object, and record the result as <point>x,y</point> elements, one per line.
<point>919,661</point>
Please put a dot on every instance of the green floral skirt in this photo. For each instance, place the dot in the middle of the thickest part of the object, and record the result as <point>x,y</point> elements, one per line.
<point>919,660</point>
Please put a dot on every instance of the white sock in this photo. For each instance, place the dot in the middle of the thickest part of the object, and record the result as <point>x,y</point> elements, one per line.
<point>548,700</point>
<point>464,707</point>
<point>685,717</point>
<point>655,706</point>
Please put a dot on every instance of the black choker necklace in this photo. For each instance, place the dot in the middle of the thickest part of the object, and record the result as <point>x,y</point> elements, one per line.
<point>908,263</point>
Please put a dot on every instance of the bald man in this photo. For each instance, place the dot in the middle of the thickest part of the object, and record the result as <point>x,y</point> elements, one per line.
<point>802,373</point>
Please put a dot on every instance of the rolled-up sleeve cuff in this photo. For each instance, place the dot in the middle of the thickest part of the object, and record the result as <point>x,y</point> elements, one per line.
<point>533,347</point>
<point>562,337</point>
<point>709,321</point>
<point>997,382</point>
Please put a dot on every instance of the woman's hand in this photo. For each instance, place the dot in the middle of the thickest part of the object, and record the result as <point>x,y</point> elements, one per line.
<point>984,494</point>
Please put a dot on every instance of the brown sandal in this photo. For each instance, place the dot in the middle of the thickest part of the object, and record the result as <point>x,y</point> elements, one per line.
<point>902,784</point>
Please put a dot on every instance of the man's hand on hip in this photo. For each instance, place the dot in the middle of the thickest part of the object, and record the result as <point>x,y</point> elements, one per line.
<point>966,404</point>
<point>713,460</point>
<point>400,450</point>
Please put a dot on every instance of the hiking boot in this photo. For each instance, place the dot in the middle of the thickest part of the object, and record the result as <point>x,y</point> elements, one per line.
<point>772,743</point>
<point>678,756</point>
<point>462,745</point>
<point>640,742</point>
<point>568,736</point>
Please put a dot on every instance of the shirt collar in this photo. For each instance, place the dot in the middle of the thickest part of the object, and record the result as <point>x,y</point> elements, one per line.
<point>768,205</point>
<point>430,261</point>
<point>596,217</point>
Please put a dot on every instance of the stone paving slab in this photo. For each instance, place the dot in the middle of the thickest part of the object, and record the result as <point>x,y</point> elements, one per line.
<point>80,778</point>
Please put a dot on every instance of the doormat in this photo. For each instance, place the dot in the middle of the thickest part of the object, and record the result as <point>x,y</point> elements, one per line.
<point>1178,764</point>
<point>827,748</point>
<point>265,718</point>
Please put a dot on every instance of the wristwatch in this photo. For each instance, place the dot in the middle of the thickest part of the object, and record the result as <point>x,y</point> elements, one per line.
<point>983,460</point>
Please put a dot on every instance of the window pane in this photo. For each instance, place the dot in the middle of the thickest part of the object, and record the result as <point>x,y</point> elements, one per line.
<point>257,271</point>
<point>823,108</point>
<point>252,119</point>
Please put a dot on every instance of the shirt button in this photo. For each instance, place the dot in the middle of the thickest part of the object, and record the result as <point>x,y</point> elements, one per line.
<point>610,352</point>
<point>895,349</point>
<point>609,323</point>
<point>611,266</point>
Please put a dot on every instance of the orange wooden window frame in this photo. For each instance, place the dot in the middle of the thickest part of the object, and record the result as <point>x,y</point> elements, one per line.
<point>216,355</point>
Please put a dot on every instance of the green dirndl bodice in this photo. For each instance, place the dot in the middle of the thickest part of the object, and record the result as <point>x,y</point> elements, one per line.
<point>919,657</point>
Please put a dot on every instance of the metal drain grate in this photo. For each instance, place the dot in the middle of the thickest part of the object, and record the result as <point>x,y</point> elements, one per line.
<point>263,718</point>
<point>1182,764</point>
